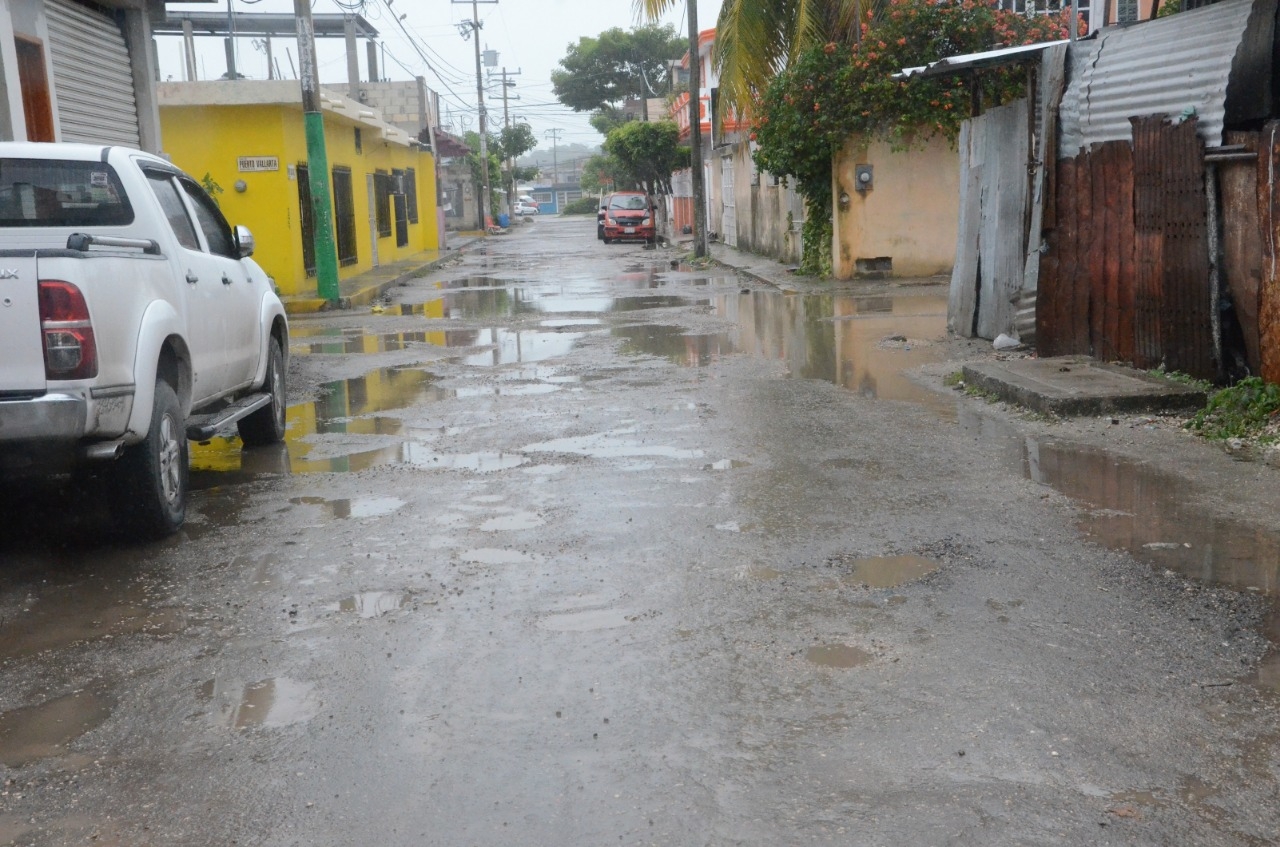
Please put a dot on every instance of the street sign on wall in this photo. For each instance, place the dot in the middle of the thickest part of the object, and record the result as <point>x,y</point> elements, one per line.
<point>248,164</point>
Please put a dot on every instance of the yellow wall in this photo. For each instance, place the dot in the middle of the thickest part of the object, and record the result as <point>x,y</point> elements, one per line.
<point>911,214</point>
<point>210,139</point>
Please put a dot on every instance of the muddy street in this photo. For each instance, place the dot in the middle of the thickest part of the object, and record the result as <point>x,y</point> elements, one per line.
<point>570,545</point>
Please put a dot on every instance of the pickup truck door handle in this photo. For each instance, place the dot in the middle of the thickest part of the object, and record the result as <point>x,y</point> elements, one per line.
<point>226,280</point>
<point>192,278</point>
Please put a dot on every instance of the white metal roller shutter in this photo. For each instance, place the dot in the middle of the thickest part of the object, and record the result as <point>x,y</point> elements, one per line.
<point>91,76</point>
<point>729,217</point>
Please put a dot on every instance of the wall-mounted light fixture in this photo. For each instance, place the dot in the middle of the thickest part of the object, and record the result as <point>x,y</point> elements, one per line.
<point>241,186</point>
<point>864,177</point>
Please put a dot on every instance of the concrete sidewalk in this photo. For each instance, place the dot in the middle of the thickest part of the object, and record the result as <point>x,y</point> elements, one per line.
<point>363,289</point>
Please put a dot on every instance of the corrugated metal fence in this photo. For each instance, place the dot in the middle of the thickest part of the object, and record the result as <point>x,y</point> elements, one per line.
<point>1126,273</point>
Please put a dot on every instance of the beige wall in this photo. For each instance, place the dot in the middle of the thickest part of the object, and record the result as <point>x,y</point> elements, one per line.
<point>763,206</point>
<point>910,215</point>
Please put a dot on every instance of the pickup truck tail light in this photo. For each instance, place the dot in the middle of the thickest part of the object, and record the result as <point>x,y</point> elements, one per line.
<point>70,351</point>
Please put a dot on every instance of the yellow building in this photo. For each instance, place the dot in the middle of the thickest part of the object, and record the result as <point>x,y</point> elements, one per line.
<point>247,138</point>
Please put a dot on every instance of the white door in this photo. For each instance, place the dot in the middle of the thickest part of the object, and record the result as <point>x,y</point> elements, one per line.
<point>240,294</point>
<point>202,289</point>
<point>729,218</point>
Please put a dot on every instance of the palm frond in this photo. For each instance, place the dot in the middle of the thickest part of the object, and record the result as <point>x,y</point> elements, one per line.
<point>652,9</point>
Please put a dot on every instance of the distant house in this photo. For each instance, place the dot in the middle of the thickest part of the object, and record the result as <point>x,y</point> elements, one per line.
<point>78,72</point>
<point>246,137</point>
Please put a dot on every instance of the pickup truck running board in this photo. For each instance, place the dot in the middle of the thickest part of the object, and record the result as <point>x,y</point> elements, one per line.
<point>204,427</point>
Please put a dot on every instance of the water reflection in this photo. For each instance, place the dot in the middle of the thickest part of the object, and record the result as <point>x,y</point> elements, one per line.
<point>1139,509</point>
<point>31,733</point>
<point>860,343</point>
<point>1142,510</point>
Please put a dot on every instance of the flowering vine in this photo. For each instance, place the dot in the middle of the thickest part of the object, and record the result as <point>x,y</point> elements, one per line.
<point>836,90</point>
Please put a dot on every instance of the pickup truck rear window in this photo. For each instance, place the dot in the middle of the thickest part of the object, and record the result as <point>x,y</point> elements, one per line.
<point>54,192</point>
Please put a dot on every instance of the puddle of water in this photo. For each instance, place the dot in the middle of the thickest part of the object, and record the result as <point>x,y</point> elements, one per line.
<point>86,612</point>
<point>349,407</point>
<point>610,445</point>
<point>837,338</point>
<point>273,703</point>
<point>838,656</point>
<point>507,347</point>
<point>514,521</point>
<point>1138,798</point>
<point>507,390</point>
<point>587,621</point>
<point>31,733</point>
<point>1138,509</point>
<point>726,465</point>
<point>494,556</point>
<point>672,342</point>
<point>890,571</point>
<point>477,462</point>
<point>574,322</point>
<point>360,507</point>
<point>653,301</point>
<point>372,604</point>
<point>342,342</point>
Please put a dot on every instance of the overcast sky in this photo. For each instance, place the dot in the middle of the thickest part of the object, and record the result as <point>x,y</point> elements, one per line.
<point>529,35</point>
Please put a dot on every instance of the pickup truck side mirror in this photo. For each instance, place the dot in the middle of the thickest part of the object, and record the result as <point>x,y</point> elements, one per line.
<point>244,242</point>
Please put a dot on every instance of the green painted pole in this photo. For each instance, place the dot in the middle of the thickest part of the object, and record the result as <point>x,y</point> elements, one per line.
<point>317,157</point>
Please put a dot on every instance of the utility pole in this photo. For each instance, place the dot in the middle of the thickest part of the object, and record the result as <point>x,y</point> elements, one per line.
<point>473,27</point>
<point>555,164</point>
<point>695,136</point>
<point>506,122</point>
<point>317,156</point>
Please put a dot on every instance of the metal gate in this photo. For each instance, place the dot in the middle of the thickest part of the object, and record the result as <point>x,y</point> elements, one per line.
<point>1126,272</point>
<point>729,218</point>
<point>92,76</point>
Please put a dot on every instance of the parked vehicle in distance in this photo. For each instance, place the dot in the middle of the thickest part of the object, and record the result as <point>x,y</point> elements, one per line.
<point>133,319</point>
<point>524,207</point>
<point>628,216</point>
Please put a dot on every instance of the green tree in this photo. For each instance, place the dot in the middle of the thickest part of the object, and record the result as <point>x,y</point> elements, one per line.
<point>477,173</point>
<point>510,144</point>
<point>605,120</point>
<point>756,38</point>
<point>598,74</point>
<point>646,154</point>
<point>603,173</point>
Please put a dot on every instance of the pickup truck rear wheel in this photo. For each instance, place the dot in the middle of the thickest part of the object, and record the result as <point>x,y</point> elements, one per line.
<point>266,426</point>
<point>153,473</point>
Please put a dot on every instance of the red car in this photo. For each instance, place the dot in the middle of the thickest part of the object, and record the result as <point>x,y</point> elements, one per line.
<point>628,216</point>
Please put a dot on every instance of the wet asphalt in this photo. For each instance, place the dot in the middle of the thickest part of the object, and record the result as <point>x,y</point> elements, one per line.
<point>571,544</point>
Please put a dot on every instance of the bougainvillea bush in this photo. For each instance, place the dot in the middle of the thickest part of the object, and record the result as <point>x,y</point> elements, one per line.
<point>835,90</point>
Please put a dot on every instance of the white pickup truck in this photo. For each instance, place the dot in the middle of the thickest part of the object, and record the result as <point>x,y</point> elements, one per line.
<point>131,320</point>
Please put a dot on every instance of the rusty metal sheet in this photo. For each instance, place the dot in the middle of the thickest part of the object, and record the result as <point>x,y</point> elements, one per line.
<point>1051,80</point>
<point>1269,210</point>
<point>1170,209</point>
<point>1126,273</point>
<point>1126,287</point>
<point>1242,242</point>
<point>1189,63</point>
